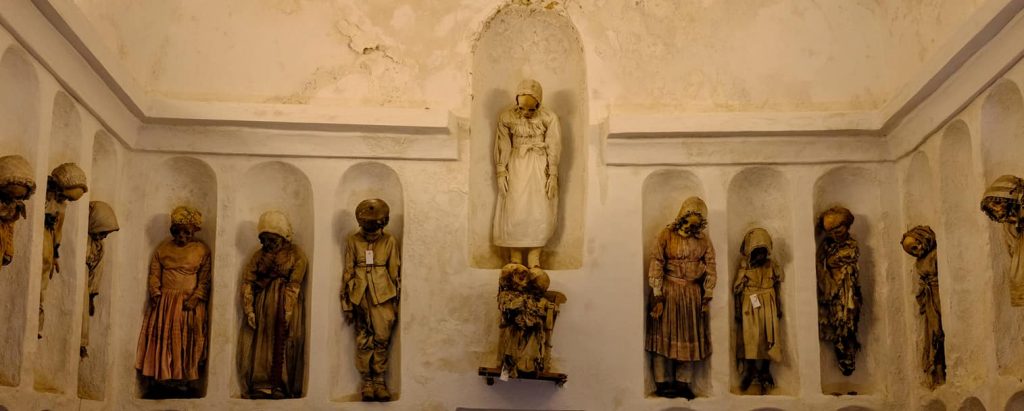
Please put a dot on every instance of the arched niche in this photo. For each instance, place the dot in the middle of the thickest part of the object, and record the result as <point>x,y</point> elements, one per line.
<point>19,104</point>
<point>19,134</point>
<point>1016,402</point>
<point>520,42</point>
<point>360,182</point>
<point>919,208</point>
<point>972,404</point>
<point>760,197</point>
<point>857,189</point>
<point>103,186</point>
<point>961,255</point>
<point>663,193</point>
<point>175,181</point>
<point>934,405</point>
<point>53,367</point>
<point>919,201</point>
<point>1002,142</point>
<point>272,185</point>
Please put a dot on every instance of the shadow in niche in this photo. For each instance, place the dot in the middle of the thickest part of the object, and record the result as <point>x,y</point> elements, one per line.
<point>934,405</point>
<point>1016,402</point>
<point>972,404</point>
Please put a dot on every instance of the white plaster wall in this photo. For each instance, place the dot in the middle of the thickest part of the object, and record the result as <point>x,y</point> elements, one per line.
<point>448,325</point>
<point>764,55</point>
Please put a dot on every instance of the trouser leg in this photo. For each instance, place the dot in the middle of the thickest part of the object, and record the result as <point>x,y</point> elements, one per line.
<point>662,368</point>
<point>533,258</point>
<point>684,371</point>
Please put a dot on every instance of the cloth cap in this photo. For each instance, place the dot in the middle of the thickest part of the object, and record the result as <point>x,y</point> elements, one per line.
<point>16,170</point>
<point>843,212</point>
<point>532,88</point>
<point>186,215</point>
<point>275,222</point>
<point>1006,186</point>
<point>373,209</point>
<point>693,204</point>
<point>756,238</point>
<point>69,175</point>
<point>924,235</point>
<point>102,218</point>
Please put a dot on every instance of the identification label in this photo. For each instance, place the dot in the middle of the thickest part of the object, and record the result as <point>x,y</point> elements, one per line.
<point>754,301</point>
<point>504,374</point>
<point>369,257</point>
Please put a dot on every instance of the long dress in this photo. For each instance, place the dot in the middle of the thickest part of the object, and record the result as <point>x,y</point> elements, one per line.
<point>839,299</point>
<point>271,356</point>
<point>933,351</point>
<point>759,324</point>
<point>685,266</point>
<point>173,341</point>
<point>529,149</point>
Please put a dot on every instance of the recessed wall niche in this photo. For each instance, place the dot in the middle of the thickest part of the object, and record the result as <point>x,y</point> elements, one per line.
<point>268,186</point>
<point>919,208</point>
<point>517,43</point>
<point>663,194</point>
<point>760,197</point>
<point>972,404</point>
<point>175,181</point>
<point>1002,138</point>
<point>103,186</point>
<point>857,188</point>
<point>962,256</point>
<point>19,134</point>
<point>360,182</point>
<point>55,352</point>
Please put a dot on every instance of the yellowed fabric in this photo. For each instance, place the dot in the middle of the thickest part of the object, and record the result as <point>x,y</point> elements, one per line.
<point>69,175</point>
<point>759,326</point>
<point>275,222</point>
<point>184,215</point>
<point>271,355</point>
<point>370,291</point>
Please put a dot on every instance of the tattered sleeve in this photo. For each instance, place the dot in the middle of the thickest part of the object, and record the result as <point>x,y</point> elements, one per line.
<point>553,139</point>
<point>502,147</point>
<point>248,282</point>
<point>295,279</point>
<point>154,280</point>
<point>395,264</point>
<point>656,272</point>
<point>710,270</point>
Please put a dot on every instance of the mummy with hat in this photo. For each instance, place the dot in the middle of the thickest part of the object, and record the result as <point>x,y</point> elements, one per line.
<point>16,187</point>
<point>66,183</point>
<point>527,150</point>
<point>1002,204</point>
<point>370,289</point>
<point>272,339</point>
<point>102,222</point>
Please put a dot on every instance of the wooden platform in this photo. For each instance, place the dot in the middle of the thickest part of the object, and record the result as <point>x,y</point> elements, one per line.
<point>490,373</point>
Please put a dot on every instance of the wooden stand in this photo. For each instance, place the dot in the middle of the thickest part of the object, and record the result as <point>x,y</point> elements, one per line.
<point>490,373</point>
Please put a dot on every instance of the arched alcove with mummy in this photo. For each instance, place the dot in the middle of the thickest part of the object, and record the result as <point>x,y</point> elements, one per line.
<point>175,181</point>
<point>55,351</point>
<point>663,193</point>
<point>273,185</point>
<point>919,209</point>
<point>93,368</point>
<point>360,182</point>
<point>857,189</point>
<point>1002,144</point>
<point>528,42</point>
<point>19,135</point>
<point>759,197</point>
<point>962,256</point>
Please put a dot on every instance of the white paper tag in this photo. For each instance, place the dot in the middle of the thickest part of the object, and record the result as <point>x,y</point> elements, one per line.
<point>504,374</point>
<point>754,301</point>
<point>369,257</point>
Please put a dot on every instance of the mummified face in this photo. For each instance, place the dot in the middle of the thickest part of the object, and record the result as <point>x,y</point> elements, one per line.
<point>527,106</point>
<point>759,256</point>
<point>271,242</point>
<point>913,247</point>
<point>1000,210</point>
<point>183,234</point>
<point>835,227</point>
<point>691,225</point>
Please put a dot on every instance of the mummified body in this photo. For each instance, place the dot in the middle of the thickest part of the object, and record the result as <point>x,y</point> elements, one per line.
<point>272,341</point>
<point>65,183</point>
<point>839,296</point>
<point>528,313</point>
<point>758,310</point>
<point>920,243</point>
<point>527,149</point>
<point>102,222</point>
<point>172,348</point>
<point>682,278</point>
<point>371,286</point>
<point>16,187</point>
<point>1002,204</point>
